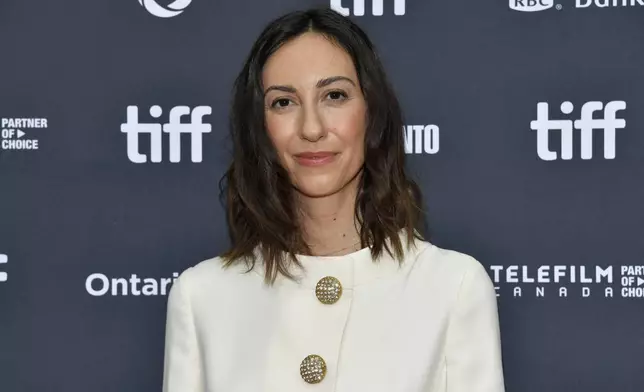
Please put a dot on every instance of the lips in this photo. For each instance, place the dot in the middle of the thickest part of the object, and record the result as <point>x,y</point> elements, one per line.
<point>315,155</point>
<point>315,158</point>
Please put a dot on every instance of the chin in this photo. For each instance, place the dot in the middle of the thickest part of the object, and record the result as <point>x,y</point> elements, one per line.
<point>317,191</point>
<point>318,187</point>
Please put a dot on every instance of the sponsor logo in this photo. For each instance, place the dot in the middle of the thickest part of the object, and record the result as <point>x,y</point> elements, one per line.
<point>565,281</point>
<point>174,128</point>
<point>4,259</point>
<point>173,9</point>
<point>421,139</point>
<point>13,136</point>
<point>531,5</point>
<point>99,285</point>
<point>594,116</point>
<point>359,7</point>
<point>632,281</point>
<point>541,5</point>
<point>607,3</point>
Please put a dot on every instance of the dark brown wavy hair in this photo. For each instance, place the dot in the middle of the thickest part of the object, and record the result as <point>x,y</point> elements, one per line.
<point>256,189</point>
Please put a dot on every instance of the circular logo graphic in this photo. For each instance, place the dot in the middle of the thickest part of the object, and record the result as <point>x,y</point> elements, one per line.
<point>173,9</point>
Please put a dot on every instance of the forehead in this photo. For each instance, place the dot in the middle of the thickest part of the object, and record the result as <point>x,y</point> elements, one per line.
<point>306,59</point>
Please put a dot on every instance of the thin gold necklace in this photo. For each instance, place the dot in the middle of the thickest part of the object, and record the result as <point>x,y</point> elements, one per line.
<point>340,250</point>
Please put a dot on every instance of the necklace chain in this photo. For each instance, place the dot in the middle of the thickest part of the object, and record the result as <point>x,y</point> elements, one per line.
<point>340,250</point>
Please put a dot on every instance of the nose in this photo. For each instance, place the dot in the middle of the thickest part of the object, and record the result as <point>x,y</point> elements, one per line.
<point>312,128</point>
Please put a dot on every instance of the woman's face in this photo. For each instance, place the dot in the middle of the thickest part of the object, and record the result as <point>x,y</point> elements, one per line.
<point>315,114</point>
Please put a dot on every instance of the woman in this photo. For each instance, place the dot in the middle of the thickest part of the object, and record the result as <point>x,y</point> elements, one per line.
<point>328,285</point>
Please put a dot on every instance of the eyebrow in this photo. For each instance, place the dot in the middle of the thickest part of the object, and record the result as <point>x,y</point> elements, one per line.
<point>321,83</point>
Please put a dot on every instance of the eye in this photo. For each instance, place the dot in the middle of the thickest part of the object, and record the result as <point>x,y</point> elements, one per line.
<point>337,95</point>
<point>280,103</point>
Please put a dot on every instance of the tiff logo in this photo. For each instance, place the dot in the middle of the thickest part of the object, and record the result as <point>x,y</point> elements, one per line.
<point>608,123</point>
<point>174,128</point>
<point>421,139</point>
<point>3,260</point>
<point>173,9</point>
<point>358,7</point>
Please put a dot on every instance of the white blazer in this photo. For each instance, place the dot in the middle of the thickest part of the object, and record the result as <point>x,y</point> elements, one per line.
<point>430,325</point>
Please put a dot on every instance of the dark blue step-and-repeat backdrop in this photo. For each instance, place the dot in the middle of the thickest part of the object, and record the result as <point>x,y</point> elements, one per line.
<point>525,130</point>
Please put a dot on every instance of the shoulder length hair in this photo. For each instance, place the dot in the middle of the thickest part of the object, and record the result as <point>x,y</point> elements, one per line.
<point>256,189</point>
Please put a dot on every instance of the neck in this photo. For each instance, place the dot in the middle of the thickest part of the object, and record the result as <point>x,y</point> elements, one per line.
<point>329,223</point>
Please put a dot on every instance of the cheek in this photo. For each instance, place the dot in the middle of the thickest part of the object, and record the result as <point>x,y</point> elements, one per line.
<point>351,128</point>
<point>279,131</point>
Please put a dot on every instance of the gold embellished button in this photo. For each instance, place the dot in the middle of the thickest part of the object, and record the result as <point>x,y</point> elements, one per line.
<point>328,290</point>
<point>313,369</point>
